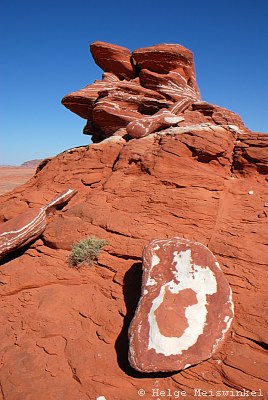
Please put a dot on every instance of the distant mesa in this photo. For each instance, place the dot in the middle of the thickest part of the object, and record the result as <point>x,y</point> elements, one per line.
<point>13,176</point>
<point>27,164</point>
<point>32,163</point>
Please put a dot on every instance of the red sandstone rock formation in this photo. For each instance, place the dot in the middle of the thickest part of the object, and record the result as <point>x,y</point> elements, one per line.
<point>136,98</point>
<point>64,331</point>
<point>185,310</point>
<point>164,77</point>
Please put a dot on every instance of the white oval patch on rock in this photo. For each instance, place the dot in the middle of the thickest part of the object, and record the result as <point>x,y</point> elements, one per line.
<point>183,317</point>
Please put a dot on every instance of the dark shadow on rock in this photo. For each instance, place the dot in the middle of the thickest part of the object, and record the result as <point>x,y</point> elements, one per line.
<point>15,253</point>
<point>132,292</point>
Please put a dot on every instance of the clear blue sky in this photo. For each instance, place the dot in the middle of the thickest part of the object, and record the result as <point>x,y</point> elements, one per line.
<point>45,55</point>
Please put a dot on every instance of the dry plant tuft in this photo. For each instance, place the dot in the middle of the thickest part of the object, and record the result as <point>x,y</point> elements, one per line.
<point>86,251</point>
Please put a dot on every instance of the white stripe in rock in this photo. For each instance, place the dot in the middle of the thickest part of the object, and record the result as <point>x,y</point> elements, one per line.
<point>228,320</point>
<point>12,239</point>
<point>203,282</point>
<point>155,261</point>
<point>29,225</point>
<point>59,199</point>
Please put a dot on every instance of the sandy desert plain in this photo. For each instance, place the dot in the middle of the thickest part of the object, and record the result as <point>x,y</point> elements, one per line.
<point>11,177</point>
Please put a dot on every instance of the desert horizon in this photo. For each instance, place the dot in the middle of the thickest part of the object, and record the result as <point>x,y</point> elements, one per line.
<point>13,176</point>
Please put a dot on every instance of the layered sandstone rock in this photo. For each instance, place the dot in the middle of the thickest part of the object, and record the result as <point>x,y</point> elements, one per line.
<point>185,309</point>
<point>64,332</point>
<point>164,78</point>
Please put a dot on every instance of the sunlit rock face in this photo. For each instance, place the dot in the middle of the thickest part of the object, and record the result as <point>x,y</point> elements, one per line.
<point>143,92</point>
<point>185,309</point>
<point>135,86</point>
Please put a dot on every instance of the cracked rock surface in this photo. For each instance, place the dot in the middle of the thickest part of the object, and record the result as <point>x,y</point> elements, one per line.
<point>64,330</point>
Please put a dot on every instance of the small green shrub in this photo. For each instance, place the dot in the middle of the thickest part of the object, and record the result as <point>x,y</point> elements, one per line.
<point>86,251</point>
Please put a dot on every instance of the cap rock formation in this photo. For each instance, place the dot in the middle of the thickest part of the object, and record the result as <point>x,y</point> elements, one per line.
<point>163,165</point>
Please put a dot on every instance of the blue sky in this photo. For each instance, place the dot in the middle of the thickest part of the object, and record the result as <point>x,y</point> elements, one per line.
<point>45,54</point>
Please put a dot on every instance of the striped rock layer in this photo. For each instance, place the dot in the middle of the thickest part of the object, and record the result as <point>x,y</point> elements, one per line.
<point>138,87</point>
<point>185,309</point>
<point>27,226</point>
<point>135,86</point>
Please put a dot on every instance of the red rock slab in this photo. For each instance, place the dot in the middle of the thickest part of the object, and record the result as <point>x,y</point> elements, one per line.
<point>113,58</point>
<point>21,230</point>
<point>163,58</point>
<point>185,309</point>
<point>29,225</point>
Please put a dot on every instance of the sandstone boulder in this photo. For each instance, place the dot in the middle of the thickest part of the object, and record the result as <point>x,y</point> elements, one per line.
<point>165,80</point>
<point>185,309</point>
